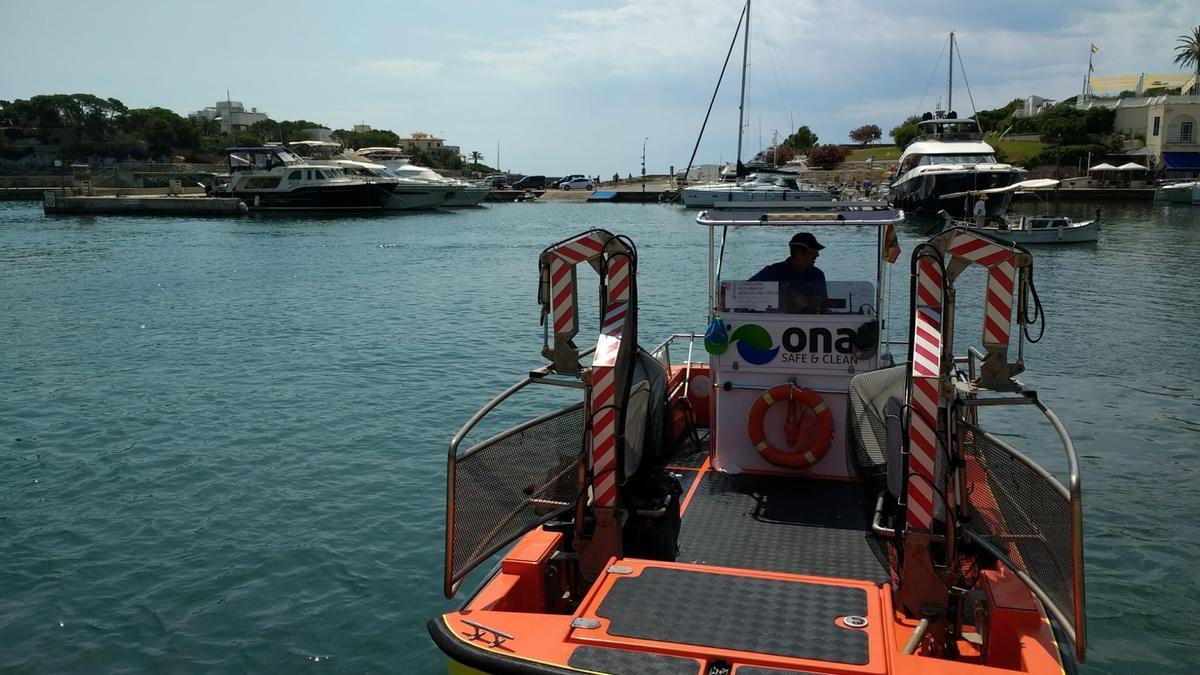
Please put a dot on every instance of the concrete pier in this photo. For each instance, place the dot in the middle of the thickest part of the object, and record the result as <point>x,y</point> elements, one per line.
<point>160,205</point>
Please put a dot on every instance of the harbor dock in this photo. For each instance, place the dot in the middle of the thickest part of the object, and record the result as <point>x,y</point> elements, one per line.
<point>54,202</point>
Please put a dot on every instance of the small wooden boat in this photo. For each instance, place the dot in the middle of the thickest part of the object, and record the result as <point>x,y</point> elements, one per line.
<point>1038,229</point>
<point>808,498</point>
<point>1043,229</point>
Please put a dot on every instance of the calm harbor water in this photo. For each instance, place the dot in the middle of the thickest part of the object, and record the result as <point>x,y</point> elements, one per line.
<point>223,442</point>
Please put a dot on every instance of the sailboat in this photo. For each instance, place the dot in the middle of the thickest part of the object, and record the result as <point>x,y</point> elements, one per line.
<point>946,159</point>
<point>768,189</point>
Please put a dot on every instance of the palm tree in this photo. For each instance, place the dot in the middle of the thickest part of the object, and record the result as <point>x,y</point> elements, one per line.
<point>1188,55</point>
<point>475,157</point>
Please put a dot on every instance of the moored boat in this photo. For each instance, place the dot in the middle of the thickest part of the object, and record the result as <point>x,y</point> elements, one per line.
<point>809,498</point>
<point>1180,193</point>
<point>464,193</point>
<point>949,156</point>
<point>275,179</point>
<point>407,194</point>
<point>1045,228</point>
<point>759,189</point>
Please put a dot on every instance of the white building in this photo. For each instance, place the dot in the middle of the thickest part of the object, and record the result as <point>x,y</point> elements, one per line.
<point>1034,105</point>
<point>1169,126</point>
<point>231,114</point>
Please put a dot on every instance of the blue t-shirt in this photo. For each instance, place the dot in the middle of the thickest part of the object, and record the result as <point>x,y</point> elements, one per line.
<point>809,284</point>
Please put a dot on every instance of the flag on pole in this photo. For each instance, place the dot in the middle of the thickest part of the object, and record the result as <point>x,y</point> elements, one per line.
<point>1095,48</point>
<point>891,244</point>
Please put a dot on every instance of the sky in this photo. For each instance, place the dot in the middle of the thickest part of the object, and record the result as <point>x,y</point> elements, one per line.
<point>564,87</point>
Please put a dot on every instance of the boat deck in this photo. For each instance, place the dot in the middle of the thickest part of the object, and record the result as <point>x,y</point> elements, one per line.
<point>777,524</point>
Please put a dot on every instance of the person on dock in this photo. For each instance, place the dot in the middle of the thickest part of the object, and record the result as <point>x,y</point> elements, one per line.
<point>802,283</point>
<point>980,211</point>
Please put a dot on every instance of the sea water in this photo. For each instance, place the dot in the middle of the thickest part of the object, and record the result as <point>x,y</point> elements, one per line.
<point>223,441</point>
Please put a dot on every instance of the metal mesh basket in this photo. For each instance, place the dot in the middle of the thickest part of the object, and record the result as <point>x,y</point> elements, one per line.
<point>1022,510</point>
<point>511,483</point>
<point>869,394</point>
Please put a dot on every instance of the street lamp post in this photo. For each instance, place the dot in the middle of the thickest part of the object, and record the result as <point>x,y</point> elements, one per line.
<point>644,164</point>
<point>1057,144</point>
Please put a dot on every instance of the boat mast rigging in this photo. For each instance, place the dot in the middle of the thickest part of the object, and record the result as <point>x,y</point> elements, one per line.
<point>950,80</point>
<point>742,100</point>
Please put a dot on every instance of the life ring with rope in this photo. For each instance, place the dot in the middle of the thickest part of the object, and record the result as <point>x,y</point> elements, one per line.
<point>809,440</point>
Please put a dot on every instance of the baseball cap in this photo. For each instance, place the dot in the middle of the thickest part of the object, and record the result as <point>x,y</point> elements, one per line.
<point>805,240</point>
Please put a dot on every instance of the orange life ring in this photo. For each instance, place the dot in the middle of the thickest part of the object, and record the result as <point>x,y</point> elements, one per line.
<point>810,444</point>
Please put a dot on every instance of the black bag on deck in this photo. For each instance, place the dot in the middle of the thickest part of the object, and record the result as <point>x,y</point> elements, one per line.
<point>652,530</point>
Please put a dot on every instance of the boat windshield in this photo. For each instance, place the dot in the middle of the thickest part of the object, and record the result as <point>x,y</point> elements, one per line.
<point>958,159</point>
<point>790,297</point>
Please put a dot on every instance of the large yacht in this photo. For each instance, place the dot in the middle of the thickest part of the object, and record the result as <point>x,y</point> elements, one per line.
<point>945,160</point>
<point>950,157</point>
<point>465,193</point>
<point>407,193</point>
<point>765,188</point>
<point>274,178</point>
<point>392,158</point>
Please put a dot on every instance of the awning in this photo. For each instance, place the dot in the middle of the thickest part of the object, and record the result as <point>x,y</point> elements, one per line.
<point>1182,161</point>
<point>1131,166</point>
<point>1031,184</point>
<point>1103,166</point>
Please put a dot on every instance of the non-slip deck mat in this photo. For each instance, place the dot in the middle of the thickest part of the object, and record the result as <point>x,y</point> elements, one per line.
<point>764,616</point>
<point>686,478</point>
<point>782,524</point>
<point>690,454</point>
<point>625,662</point>
<point>756,670</point>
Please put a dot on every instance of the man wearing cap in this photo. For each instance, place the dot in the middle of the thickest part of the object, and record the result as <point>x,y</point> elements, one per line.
<point>799,275</point>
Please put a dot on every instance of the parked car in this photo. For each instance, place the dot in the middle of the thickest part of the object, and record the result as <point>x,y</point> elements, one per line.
<point>530,183</point>
<point>497,179</point>
<point>577,184</point>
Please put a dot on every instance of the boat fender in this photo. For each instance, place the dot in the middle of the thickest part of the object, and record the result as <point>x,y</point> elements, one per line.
<point>809,440</point>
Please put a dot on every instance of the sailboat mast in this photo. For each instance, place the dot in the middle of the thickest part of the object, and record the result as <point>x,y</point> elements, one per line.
<point>950,86</point>
<point>742,101</point>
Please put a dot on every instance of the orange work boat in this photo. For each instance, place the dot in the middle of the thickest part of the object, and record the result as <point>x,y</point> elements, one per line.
<point>800,501</point>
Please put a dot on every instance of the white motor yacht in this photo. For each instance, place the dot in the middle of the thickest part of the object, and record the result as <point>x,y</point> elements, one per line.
<point>392,158</point>
<point>1181,193</point>
<point>765,188</point>
<point>465,193</point>
<point>407,193</point>
<point>274,178</point>
<point>950,156</point>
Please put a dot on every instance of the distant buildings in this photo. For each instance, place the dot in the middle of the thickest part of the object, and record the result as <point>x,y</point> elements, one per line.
<point>231,114</point>
<point>420,140</point>
<point>1166,126</point>
<point>1034,105</point>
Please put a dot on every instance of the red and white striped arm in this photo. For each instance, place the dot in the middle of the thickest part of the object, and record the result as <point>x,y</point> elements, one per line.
<point>925,401</point>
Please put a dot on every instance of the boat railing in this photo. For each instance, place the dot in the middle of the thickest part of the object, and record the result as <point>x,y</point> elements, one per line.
<point>1020,512</point>
<point>505,486</point>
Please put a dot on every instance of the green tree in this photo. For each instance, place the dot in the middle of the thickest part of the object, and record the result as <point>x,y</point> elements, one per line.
<point>1188,55</point>
<point>866,134</point>
<point>366,139</point>
<point>802,140</point>
<point>994,120</point>
<point>904,132</point>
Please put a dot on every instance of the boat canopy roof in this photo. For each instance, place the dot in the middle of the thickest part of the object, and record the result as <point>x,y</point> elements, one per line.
<point>1032,184</point>
<point>316,144</point>
<point>363,165</point>
<point>258,150</point>
<point>933,146</point>
<point>947,121</point>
